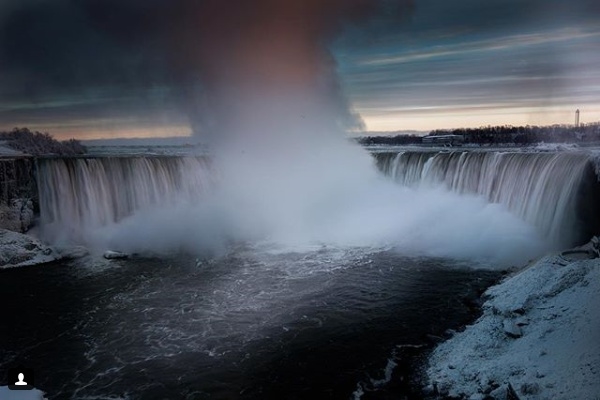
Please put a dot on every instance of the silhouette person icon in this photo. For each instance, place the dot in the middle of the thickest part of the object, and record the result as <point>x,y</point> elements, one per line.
<point>20,378</point>
<point>21,382</point>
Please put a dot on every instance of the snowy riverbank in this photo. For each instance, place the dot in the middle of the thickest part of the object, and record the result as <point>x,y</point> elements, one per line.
<point>19,250</point>
<point>22,250</point>
<point>538,337</point>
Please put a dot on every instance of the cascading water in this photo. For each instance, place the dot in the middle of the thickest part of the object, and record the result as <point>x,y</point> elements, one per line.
<point>122,202</point>
<point>548,190</point>
<point>78,195</point>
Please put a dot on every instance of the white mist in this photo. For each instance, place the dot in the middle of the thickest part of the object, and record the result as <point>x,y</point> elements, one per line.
<point>284,179</point>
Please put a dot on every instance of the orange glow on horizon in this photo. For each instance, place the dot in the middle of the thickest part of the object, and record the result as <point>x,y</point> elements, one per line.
<point>93,132</point>
<point>427,120</point>
<point>376,120</point>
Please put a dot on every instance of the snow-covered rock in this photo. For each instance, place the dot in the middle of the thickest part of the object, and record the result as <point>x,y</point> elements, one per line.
<point>539,334</point>
<point>115,255</point>
<point>18,250</point>
<point>512,329</point>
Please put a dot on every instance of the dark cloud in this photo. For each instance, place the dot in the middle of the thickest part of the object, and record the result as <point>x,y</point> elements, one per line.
<point>138,57</point>
<point>191,48</point>
<point>63,44</point>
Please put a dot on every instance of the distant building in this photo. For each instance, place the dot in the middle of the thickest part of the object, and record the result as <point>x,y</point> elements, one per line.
<point>444,140</point>
<point>577,118</point>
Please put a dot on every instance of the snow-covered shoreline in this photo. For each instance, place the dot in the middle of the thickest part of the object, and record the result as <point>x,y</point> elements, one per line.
<point>23,250</point>
<point>538,337</point>
<point>20,250</point>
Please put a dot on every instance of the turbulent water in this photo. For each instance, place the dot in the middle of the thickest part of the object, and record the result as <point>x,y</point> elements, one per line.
<point>258,323</point>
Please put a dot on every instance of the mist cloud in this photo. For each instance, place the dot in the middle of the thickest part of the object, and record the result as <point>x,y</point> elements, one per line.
<point>262,78</point>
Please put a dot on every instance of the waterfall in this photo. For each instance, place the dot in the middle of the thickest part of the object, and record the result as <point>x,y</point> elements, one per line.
<point>555,192</point>
<point>78,194</point>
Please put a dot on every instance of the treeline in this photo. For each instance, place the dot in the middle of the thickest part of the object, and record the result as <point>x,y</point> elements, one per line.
<point>38,143</point>
<point>491,135</point>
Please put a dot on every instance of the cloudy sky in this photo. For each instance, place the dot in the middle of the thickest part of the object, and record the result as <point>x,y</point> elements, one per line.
<point>122,68</point>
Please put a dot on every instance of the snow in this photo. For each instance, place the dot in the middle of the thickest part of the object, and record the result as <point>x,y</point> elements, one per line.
<point>114,255</point>
<point>18,250</point>
<point>539,333</point>
<point>7,394</point>
<point>21,250</point>
<point>6,151</point>
<point>556,146</point>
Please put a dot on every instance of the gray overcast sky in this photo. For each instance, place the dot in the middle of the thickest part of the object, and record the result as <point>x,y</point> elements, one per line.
<point>101,68</point>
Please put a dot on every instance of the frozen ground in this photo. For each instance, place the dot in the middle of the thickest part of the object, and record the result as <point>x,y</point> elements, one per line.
<point>539,334</point>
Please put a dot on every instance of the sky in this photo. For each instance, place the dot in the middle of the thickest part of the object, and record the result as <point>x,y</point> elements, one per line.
<point>134,68</point>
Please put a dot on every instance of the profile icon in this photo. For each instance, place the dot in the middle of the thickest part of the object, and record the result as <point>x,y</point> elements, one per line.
<point>20,382</point>
<point>20,378</point>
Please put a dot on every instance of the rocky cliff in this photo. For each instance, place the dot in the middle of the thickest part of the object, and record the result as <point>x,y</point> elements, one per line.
<point>18,193</point>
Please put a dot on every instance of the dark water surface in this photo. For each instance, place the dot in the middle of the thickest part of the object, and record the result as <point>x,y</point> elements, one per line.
<point>256,324</point>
